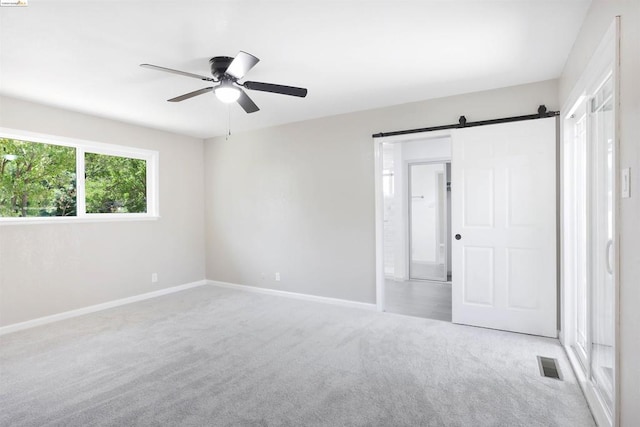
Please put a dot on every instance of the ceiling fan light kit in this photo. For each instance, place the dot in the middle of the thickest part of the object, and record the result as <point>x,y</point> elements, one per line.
<point>227,93</point>
<point>227,72</point>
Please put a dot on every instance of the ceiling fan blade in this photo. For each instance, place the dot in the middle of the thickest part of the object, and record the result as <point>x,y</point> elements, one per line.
<point>273,88</point>
<point>182,73</point>
<point>190,94</point>
<point>241,64</point>
<point>247,103</point>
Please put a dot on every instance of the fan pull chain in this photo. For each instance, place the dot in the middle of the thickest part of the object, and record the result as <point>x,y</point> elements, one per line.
<point>228,122</point>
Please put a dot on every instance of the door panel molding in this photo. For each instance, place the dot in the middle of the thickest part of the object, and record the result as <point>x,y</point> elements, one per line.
<point>511,215</point>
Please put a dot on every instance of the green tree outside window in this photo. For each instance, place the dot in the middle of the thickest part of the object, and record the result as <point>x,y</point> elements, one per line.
<point>115,184</point>
<point>36,179</point>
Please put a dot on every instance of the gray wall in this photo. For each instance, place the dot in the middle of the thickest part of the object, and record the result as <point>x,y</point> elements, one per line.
<point>51,268</point>
<point>599,17</point>
<point>299,199</point>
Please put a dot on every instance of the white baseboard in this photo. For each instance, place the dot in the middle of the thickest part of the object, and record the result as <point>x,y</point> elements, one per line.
<point>295,295</point>
<point>116,303</point>
<point>93,308</point>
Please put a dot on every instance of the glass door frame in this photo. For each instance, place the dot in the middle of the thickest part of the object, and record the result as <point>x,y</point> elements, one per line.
<point>602,272</point>
<point>603,65</point>
<point>577,158</point>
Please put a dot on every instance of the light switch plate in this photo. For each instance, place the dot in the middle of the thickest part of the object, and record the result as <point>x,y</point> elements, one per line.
<point>625,183</point>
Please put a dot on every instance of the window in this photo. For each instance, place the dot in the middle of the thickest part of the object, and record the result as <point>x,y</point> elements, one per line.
<point>36,179</point>
<point>115,184</point>
<point>45,178</point>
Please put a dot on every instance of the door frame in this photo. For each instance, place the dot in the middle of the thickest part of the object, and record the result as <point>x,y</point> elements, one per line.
<point>379,200</point>
<point>605,61</point>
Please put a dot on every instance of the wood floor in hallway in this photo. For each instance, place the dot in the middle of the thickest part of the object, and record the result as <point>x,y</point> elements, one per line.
<point>431,300</point>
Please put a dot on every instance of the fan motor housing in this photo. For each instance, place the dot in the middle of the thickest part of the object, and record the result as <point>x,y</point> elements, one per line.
<point>219,65</point>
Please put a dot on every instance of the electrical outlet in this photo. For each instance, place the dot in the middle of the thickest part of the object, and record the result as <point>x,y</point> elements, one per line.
<point>154,277</point>
<point>277,277</point>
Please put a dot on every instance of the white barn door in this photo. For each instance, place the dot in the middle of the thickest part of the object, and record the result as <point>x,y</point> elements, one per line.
<point>504,225</point>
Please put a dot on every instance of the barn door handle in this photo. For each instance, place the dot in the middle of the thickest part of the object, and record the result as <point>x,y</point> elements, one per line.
<point>458,237</point>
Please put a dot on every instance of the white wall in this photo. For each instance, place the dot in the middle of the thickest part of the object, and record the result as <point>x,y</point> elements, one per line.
<point>299,198</point>
<point>599,18</point>
<point>425,148</point>
<point>51,268</point>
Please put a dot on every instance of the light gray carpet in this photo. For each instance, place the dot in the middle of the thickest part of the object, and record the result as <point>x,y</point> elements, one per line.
<point>218,357</point>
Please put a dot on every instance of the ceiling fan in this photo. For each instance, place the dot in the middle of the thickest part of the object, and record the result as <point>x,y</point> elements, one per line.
<point>226,72</point>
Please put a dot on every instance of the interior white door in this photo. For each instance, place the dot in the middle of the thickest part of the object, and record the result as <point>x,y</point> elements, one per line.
<point>504,224</point>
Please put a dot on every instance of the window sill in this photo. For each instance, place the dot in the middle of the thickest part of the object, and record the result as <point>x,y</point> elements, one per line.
<point>75,220</point>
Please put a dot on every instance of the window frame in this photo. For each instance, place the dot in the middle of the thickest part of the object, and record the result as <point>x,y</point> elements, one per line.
<point>151,157</point>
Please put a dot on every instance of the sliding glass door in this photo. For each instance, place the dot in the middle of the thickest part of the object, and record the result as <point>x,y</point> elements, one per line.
<point>589,243</point>
<point>603,249</point>
<point>576,263</point>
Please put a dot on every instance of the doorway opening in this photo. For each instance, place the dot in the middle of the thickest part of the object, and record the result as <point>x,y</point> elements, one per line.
<point>415,182</point>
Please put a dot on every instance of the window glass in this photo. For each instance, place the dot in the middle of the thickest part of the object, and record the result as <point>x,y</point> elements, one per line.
<point>36,179</point>
<point>47,178</point>
<point>115,184</point>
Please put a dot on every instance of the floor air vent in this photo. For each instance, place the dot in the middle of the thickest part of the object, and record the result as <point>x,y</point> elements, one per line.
<point>549,368</point>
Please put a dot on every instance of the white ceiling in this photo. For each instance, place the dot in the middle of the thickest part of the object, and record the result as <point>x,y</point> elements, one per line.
<point>353,55</point>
